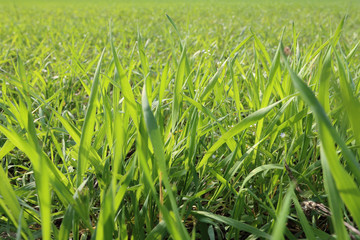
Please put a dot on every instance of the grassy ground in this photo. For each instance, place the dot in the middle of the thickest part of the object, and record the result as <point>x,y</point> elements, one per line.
<point>179,120</point>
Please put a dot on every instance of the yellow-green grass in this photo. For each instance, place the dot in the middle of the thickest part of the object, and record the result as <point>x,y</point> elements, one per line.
<point>179,119</point>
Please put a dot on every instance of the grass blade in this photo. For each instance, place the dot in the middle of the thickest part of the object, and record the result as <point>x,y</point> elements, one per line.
<point>234,223</point>
<point>242,125</point>
<point>174,224</point>
<point>281,218</point>
<point>89,122</point>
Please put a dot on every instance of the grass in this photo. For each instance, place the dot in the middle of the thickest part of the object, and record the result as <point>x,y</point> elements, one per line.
<point>179,120</point>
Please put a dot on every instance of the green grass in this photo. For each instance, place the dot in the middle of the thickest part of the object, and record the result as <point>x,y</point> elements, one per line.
<point>179,120</point>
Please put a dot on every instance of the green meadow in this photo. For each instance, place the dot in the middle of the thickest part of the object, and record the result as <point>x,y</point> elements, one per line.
<point>179,119</point>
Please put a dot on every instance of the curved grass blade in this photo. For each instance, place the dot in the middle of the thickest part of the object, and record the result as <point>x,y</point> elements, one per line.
<point>260,169</point>
<point>242,125</point>
<point>352,52</point>
<point>157,232</point>
<point>176,30</point>
<point>234,223</point>
<point>6,148</point>
<point>237,48</point>
<point>230,142</point>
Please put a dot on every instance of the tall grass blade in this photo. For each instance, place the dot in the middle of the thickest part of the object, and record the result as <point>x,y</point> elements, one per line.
<point>350,102</point>
<point>89,123</point>
<point>125,86</point>
<point>281,218</point>
<point>303,220</point>
<point>179,81</point>
<point>329,185</point>
<point>174,223</point>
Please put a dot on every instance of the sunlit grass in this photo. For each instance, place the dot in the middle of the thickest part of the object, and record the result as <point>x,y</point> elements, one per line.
<point>180,120</point>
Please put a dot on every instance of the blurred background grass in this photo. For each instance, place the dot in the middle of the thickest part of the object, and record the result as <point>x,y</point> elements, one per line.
<point>215,24</point>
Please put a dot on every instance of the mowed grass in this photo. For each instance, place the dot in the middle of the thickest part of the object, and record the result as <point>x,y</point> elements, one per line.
<point>179,120</point>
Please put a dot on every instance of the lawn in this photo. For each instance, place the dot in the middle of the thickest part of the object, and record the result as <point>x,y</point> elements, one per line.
<point>179,119</point>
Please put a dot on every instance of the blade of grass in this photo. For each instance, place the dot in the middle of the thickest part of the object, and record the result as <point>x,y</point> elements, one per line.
<point>174,223</point>
<point>281,218</point>
<point>350,102</point>
<point>89,122</point>
<point>42,175</point>
<point>242,125</point>
<point>329,185</point>
<point>179,81</point>
<point>303,220</point>
<point>234,223</point>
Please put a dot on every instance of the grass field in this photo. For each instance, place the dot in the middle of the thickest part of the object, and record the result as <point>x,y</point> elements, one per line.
<point>179,119</point>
